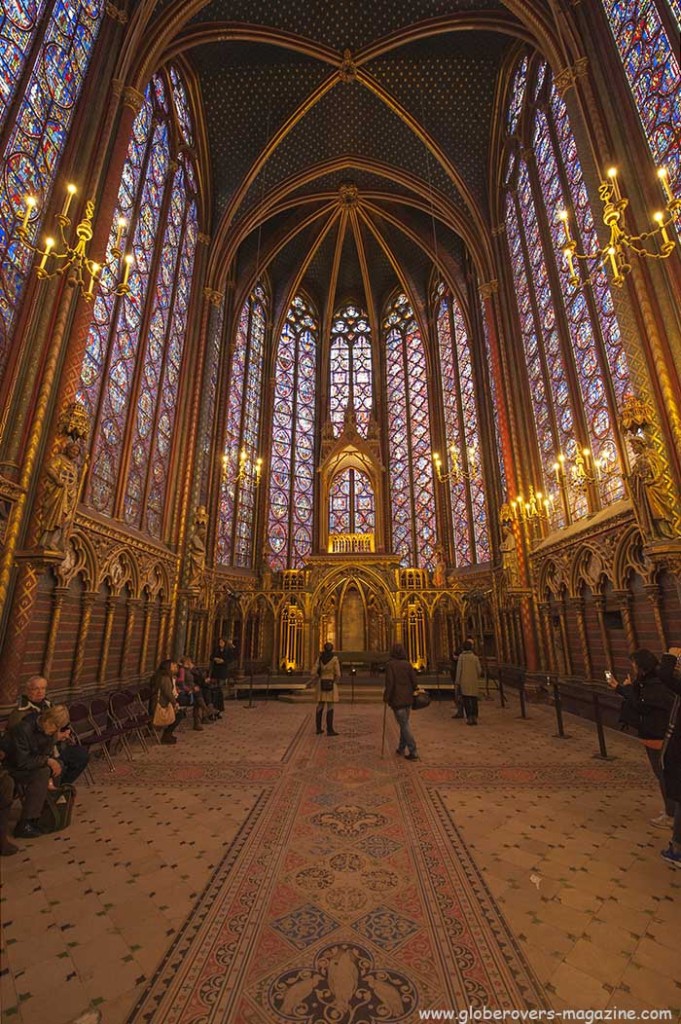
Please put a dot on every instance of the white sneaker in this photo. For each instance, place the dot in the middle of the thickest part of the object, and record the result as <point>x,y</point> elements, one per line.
<point>662,821</point>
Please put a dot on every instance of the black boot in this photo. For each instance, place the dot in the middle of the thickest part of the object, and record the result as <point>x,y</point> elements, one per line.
<point>330,731</point>
<point>318,718</point>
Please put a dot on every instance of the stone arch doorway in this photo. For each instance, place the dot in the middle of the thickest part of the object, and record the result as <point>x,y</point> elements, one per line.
<point>353,613</point>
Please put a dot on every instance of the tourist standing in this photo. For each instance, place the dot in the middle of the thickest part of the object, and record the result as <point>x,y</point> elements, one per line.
<point>400,683</point>
<point>328,676</point>
<point>468,676</point>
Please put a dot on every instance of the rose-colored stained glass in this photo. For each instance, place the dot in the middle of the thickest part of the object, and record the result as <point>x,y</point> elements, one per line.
<point>36,138</point>
<point>350,368</point>
<point>651,63</point>
<point>351,503</point>
<point>291,483</point>
<point>236,511</point>
<point>411,472</point>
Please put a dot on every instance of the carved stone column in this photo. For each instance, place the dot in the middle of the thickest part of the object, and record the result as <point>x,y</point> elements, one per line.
<point>565,638</point>
<point>623,599</point>
<point>605,638</point>
<point>132,605</point>
<point>87,603</point>
<point>545,618</point>
<point>58,596</point>
<point>653,592</point>
<point>106,642</point>
<point>146,627</point>
<point>161,646</point>
<point>577,603</point>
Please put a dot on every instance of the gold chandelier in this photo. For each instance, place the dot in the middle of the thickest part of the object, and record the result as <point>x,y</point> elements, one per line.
<point>621,243</point>
<point>456,473</point>
<point>73,260</point>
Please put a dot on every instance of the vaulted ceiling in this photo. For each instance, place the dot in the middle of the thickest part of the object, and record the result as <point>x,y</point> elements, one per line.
<point>349,141</point>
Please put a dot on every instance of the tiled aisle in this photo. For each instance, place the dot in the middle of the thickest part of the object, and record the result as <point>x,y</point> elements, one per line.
<point>560,840</point>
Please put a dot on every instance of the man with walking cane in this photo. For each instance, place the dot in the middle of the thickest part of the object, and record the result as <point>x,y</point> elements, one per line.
<point>400,684</point>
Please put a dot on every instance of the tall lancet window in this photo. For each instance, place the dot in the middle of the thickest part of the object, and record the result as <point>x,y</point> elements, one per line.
<point>45,50</point>
<point>467,493</point>
<point>350,364</point>
<point>411,471</point>
<point>290,521</point>
<point>130,379</point>
<point>239,483</point>
<point>576,364</point>
<point>648,45</point>
<point>351,503</point>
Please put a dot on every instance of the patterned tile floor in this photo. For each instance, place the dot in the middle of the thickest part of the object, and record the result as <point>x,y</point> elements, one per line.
<point>257,874</point>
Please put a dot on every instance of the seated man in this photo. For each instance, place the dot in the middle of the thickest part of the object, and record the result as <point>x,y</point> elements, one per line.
<point>72,755</point>
<point>30,761</point>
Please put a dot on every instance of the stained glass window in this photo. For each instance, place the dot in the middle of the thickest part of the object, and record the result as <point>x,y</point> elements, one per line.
<point>351,503</point>
<point>239,484</point>
<point>469,512</point>
<point>50,67</point>
<point>291,494</point>
<point>350,368</point>
<point>568,334</point>
<point>411,472</point>
<point>131,369</point>
<point>651,64</point>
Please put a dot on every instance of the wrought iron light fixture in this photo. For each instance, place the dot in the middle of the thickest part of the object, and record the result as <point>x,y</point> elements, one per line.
<point>621,243</point>
<point>59,259</point>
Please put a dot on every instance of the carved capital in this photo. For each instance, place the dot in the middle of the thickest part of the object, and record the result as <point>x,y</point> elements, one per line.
<point>116,14</point>
<point>203,238</point>
<point>488,288</point>
<point>568,77</point>
<point>214,297</point>
<point>499,230</point>
<point>131,98</point>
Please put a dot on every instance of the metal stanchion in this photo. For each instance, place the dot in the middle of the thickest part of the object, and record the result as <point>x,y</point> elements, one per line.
<point>502,696</point>
<point>602,749</point>
<point>521,693</point>
<point>353,673</point>
<point>557,703</point>
<point>250,692</point>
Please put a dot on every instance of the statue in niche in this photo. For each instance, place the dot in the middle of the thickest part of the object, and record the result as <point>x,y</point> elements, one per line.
<point>196,549</point>
<point>439,572</point>
<point>509,555</point>
<point>647,489</point>
<point>61,490</point>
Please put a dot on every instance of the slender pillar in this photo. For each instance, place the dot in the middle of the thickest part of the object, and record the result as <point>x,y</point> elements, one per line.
<point>87,604</point>
<point>146,627</point>
<point>131,614</point>
<point>653,592</point>
<point>58,596</point>
<point>578,604</point>
<point>605,638</point>
<point>106,642</point>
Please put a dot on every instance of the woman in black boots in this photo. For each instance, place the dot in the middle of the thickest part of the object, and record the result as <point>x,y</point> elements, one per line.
<point>328,674</point>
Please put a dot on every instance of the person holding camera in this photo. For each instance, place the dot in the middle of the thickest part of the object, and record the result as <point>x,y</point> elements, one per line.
<point>328,675</point>
<point>646,709</point>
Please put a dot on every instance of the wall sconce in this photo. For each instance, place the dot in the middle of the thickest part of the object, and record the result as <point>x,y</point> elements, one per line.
<point>537,508</point>
<point>584,469</point>
<point>621,243</point>
<point>456,473</point>
<point>74,260</point>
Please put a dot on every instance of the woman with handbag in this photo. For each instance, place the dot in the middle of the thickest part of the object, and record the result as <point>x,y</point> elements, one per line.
<point>400,685</point>
<point>328,674</point>
<point>163,705</point>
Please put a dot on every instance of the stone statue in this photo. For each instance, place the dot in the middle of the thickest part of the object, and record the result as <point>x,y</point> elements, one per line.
<point>60,497</point>
<point>439,572</point>
<point>647,488</point>
<point>509,556</point>
<point>196,548</point>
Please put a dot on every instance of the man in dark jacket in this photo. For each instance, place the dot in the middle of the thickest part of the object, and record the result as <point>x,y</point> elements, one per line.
<point>73,755</point>
<point>671,751</point>
<point>400,683</point>
<point>31,761</point>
